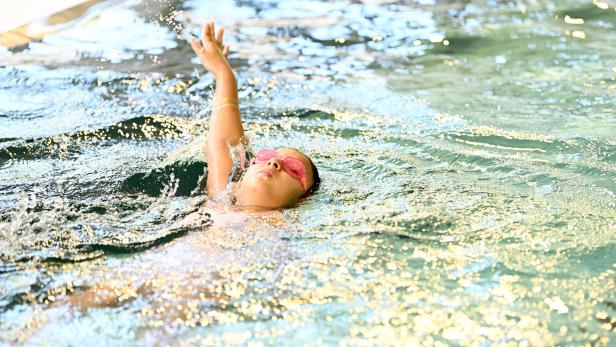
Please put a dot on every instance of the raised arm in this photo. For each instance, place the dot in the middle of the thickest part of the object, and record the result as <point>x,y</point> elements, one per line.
<point>225,122</point>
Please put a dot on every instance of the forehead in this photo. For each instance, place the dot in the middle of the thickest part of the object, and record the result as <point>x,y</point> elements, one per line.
<point>291,152</point>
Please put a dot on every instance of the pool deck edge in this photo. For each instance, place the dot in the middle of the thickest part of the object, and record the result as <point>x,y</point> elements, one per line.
<point>19,32</point>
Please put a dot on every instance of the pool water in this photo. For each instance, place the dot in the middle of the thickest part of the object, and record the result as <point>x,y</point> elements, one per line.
<point>468,157</point>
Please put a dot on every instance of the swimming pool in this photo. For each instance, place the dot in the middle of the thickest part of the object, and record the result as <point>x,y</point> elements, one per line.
<point>468,153</point>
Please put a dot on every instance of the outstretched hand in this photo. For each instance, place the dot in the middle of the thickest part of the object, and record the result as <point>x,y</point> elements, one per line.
<point>212,51</point>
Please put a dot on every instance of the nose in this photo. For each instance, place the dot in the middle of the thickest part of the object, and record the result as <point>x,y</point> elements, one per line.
<point>274,163</point>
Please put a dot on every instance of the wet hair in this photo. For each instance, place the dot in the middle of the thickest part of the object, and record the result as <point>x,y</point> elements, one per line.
<point>316,179</point>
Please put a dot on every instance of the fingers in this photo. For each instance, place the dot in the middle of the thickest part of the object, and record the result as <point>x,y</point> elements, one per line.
<point>195,44</point>
<point>210,38</point>
<point>212,32</point>
<point>221,32</point>
<point>205,32</point>
<point>207,35</point>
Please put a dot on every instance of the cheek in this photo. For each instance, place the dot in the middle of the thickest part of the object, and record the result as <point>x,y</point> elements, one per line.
<point>292,187</point>
<point>251,174</point>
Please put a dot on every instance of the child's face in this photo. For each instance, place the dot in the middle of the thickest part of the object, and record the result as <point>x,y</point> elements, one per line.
<point>268,185</point>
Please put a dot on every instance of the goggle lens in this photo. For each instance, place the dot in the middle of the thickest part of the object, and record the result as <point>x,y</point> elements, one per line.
<point>292,166</point>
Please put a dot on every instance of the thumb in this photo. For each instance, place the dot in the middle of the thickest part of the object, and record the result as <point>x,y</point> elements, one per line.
<point>195,44</point>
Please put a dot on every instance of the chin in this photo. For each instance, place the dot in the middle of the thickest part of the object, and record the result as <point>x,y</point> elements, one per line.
<point>258,203</point>
<point>255,195</point>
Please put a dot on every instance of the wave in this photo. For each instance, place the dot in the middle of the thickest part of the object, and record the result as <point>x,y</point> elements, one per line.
<point>184,177</point>
<point>137,246</point>
<point>143,128</point>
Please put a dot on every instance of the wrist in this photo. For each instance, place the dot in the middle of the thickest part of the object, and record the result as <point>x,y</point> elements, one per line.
<point>224,74</point>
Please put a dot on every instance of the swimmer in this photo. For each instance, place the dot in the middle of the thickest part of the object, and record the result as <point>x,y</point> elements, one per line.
<point>274,178</point>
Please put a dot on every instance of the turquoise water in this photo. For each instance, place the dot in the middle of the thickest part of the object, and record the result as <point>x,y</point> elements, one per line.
<point>467,148</point>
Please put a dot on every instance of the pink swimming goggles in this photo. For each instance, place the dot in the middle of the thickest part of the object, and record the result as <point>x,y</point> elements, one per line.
<point>292,166</point>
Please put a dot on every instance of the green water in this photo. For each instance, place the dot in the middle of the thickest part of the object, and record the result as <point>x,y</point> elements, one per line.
<point>468,156</point>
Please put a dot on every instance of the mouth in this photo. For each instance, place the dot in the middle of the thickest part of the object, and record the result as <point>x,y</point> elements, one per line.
<point>265,172</point>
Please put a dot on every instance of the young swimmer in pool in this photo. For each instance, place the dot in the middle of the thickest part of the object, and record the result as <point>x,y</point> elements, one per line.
<point>275,178</point>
